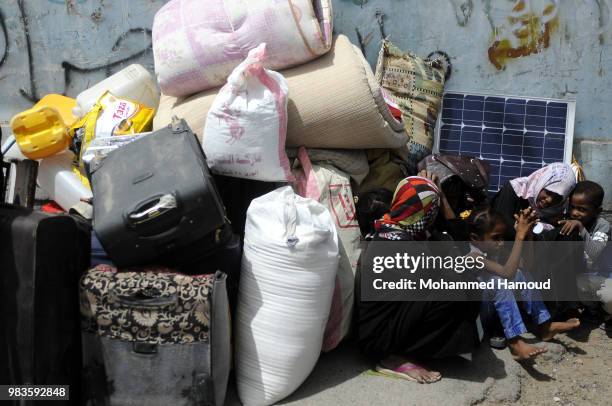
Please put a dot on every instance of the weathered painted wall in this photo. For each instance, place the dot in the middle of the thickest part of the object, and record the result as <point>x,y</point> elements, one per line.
<point>63,46</point>
<point>569,46</point>
<point>557,48</point>
<point>561,49</point>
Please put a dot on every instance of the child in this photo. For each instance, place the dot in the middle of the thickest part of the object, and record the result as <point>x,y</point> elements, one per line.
<point>371,206</point>
<point>585,210</point>
<point>487,230</point>
<point>585,218</point>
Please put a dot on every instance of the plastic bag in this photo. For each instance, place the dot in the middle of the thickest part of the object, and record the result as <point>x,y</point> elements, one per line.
<point>246,127</point>
<point>110,116</point>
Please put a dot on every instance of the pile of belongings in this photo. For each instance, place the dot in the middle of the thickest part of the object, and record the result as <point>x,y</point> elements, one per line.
<point>210,198</point>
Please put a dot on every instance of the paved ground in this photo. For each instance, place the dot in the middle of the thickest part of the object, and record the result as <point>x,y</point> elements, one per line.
<point>576,371</point>
<point>344,378</point>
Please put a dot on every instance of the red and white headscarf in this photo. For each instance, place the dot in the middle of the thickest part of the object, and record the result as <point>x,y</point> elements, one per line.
<point>414,208</point>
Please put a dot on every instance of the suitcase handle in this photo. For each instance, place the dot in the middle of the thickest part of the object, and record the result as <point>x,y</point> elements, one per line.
<point>146,298</point>
<point>152,208</point>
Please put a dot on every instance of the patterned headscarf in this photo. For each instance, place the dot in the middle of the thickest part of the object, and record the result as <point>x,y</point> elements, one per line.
<point>558,178</point>
<point>413,210</point>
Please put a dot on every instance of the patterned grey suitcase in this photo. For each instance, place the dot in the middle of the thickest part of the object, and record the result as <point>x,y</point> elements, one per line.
<point>154,337</point>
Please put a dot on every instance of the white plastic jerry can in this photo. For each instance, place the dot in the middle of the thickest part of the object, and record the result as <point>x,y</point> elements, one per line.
<point>56,177</point>
<point>133,83</point>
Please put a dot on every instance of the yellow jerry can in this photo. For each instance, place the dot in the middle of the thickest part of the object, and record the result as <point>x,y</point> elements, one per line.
<point>42,131</point>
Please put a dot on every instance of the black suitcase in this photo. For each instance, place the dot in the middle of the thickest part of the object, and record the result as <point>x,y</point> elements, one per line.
<point>41,259</point>
<point>206,256</point>
<point>153,196</point>
<point>237,194</point>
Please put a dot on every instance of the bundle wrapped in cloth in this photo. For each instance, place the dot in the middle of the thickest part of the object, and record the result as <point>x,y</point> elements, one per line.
<point>334,102</point>
<point>197,44</point>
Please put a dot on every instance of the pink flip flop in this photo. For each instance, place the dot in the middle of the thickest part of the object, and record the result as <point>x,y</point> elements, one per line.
<point>401,371</point>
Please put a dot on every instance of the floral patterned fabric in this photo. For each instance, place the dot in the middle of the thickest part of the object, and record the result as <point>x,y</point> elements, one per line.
<point>415,86</point>
<point>152,305</point>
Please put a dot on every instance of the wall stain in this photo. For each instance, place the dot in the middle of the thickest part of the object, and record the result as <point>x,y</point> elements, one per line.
<point>362,44</point>
<point>96,16</point>
<point>380,19</point>
<point>530,33</point>
<point>604,18</point>
<point>463,11</point>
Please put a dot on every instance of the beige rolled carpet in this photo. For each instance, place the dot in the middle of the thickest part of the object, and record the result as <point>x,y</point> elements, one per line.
<point>334,102</point>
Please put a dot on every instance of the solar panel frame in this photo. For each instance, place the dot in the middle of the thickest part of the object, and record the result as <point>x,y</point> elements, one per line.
<point>510,125</point>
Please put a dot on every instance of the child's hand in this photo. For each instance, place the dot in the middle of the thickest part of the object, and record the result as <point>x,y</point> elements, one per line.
<point>431,176</point>
<point>569,226</point>
<point>525,221</point>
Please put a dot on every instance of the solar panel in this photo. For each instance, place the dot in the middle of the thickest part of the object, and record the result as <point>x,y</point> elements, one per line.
<point>515,135</point>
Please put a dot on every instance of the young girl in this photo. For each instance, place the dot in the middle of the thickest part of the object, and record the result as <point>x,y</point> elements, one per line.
<point>487,230</point>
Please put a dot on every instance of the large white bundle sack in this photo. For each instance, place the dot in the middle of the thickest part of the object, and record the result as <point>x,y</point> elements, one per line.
<point>197,43</point>
<point>246,127</point>
<point>286,283</point>
<point>332,188</point>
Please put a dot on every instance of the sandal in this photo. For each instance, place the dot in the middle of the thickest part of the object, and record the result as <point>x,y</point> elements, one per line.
<point>401,372</point>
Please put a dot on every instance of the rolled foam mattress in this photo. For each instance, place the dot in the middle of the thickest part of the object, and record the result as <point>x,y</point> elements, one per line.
<point>197,43</point>
<point>334,102</point>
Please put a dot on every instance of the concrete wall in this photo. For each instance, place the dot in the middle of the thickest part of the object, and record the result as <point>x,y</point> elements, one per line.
<point>565,51</point>
<point>63,46</point>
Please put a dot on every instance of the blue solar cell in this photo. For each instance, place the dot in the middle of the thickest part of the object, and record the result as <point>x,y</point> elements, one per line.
<point>515,135</point>
<point>532,152</point>
<point>495,120</point>
<point>491,148</point>
<point>475,103</point>
<point>450,133</point>
<point>556,110</point>
<point>515,106</point>
<point>513,138</point>
<point>514,121</point>
<point>554,143</point>
<point>471,134</point>
<point>470,148</point>
<point>553,155</point>
<point>536,108</point>
<point>495,104</point>
<point>515,151</point>
<point>555,124</point>
<point>448,146</point>
<point>510,169</point>
<point>535,123</point>
<point>452,116</point>
<point>533,139</point>
<point>492,135</point>
<point>472,117</point>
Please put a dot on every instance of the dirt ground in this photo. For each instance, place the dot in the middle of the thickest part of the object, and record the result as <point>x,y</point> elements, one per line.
<point>577,372</point>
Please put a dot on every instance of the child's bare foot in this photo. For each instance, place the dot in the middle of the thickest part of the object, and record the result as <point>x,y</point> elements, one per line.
<point>522,351</point>
<point>401,367</point>
<point>550,329</point>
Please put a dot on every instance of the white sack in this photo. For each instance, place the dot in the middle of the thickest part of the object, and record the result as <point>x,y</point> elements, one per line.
<point>246,126</point>
<point>288,270</point>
